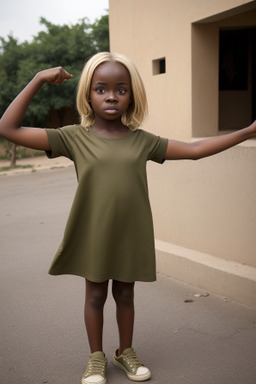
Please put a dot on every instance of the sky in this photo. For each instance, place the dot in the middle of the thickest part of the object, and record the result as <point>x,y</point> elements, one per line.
<point>20,18</point>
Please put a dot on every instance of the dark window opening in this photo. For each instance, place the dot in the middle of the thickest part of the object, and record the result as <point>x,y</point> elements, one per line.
<point>159,66</point>
<point>237,78</point>
<point>233,60</point>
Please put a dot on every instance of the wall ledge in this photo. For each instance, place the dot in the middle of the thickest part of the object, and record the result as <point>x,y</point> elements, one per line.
<point>229,279</point>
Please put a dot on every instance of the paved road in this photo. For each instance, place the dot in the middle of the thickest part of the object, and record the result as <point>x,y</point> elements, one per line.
<point>207,341</point>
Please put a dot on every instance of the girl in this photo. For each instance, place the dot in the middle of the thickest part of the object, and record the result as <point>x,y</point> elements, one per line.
<point>109,233</point>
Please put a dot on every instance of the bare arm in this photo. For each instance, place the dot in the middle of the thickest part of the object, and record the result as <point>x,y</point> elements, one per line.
<point>11,120</point>
<point>180,150</point>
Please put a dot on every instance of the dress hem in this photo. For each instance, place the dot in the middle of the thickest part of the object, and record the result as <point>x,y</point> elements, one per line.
<point>105,278</point>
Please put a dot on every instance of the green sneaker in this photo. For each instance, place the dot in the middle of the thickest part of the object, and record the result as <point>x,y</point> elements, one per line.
<point>129,363</point>
<point>96,369</point>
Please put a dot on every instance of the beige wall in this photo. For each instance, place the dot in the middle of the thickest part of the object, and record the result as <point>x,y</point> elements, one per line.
<point>209,205</point>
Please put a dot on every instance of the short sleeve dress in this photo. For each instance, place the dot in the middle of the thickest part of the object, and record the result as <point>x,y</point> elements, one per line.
<point>109,231</point>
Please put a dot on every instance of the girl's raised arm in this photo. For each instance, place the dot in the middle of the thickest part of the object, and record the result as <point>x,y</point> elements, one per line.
<point>180,150</point>
<point>11,120</point>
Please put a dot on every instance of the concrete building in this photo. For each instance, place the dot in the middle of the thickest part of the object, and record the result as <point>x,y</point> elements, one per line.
<point>198,63</point>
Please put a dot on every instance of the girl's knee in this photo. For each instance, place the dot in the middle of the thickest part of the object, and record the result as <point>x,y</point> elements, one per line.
<point>96,294</point>
<point>123,293</point>
<point>97,300</point>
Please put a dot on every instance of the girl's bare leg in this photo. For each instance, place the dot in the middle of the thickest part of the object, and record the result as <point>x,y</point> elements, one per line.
<point>95,298</point>
<point>123,294</point>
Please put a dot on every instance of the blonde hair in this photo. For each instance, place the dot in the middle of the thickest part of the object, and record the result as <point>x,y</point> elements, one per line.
<point>137,110</point>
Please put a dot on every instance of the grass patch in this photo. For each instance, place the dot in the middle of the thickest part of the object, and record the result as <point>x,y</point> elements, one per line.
<point>21,152</point>
<point>16,167</point>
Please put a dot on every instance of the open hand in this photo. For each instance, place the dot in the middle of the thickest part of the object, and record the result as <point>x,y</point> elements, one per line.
<point>55,76</point>
<point>253,129</point>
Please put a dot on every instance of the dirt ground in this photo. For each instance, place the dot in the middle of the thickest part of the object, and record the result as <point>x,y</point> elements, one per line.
<point>33,164</point>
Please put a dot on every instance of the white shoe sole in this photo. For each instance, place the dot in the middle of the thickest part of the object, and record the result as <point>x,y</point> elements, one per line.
<point>144,377</point>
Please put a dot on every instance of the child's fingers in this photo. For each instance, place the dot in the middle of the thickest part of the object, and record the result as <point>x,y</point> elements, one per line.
<point>252,130</point>
<point>55,75</point>
<point>253,125</point>
<point>60,76</point>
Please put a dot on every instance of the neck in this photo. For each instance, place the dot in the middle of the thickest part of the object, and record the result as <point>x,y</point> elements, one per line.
<point>100,125</point>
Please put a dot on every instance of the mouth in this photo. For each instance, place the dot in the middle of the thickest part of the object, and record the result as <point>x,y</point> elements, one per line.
<point>111,110</point>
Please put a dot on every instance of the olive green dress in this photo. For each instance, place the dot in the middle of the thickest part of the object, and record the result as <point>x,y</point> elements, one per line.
<point>109,232</point>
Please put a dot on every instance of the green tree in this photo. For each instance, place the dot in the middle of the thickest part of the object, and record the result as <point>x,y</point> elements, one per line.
<point>67,45</point>
<point>11,55</point>
<point>100,34</point>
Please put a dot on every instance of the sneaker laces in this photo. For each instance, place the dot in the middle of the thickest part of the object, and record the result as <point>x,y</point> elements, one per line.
<point>96,366</point>
<point>132,359</point>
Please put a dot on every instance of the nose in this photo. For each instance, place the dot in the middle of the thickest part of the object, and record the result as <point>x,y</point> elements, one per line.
<point>111,96</point>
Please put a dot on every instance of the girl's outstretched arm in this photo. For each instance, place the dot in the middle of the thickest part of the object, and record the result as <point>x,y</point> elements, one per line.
<point>180,150</point>
<point>11,120</point>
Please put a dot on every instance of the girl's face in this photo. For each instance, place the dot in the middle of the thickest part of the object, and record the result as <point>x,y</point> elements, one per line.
<point>111,91</point>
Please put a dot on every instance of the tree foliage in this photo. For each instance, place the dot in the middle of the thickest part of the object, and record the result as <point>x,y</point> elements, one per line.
<point>100,34</point>
<point>67,45</point>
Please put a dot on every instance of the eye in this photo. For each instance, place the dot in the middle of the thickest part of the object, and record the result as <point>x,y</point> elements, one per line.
<point>122,91</point>
<point>100,90</point>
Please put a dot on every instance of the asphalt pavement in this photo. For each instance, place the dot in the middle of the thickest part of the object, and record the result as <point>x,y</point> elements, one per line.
<point>182,334</point>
